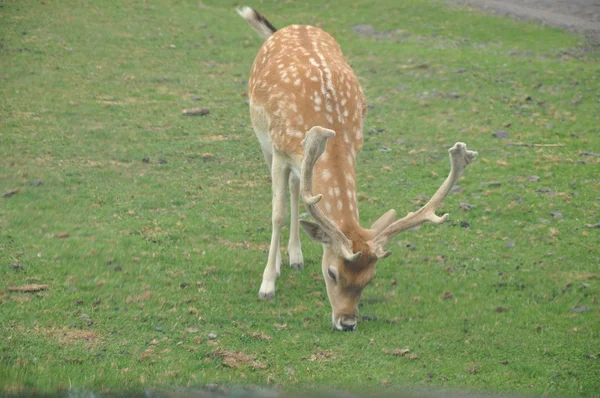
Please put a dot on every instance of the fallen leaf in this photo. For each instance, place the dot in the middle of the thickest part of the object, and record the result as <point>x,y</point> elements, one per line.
<point>260,336</point>
<point>10,193</point>
<point>191,330</point>
<point>465,206</point>
<point>322,355</point>
<point>399,352</point>
<point>501,134</point>
<point>62,235</point>
<point>581,308</point>
<point>196,112</point>
<point>447,296</point>
<point>28,288</point>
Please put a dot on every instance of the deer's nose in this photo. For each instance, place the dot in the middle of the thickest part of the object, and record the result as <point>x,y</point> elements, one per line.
<point>348,324</point>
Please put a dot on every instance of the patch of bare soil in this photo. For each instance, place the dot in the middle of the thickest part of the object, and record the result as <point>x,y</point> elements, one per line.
<point>582,16</point>
<point>237,359</point>
<point>29,288</point>
<point>69,336</point>
<point>322,356</point>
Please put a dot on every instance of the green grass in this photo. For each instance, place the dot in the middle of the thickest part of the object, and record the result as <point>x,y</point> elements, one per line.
<point>161,253</point>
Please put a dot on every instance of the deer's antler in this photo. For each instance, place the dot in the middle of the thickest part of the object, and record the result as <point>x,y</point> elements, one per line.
<point>460,157</point>
<point>314,145</point>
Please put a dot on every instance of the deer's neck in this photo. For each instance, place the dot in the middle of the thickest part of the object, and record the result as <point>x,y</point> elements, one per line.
<point>335,179</point>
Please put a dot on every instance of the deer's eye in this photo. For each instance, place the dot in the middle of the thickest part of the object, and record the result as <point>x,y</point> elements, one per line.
<point>332,273</point>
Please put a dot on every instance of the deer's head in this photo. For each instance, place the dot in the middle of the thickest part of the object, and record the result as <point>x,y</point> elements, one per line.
<point>350,252</point>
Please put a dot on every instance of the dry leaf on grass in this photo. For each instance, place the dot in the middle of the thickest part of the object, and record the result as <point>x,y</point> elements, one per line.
<point>260,335</point>
<point>236,359</point>
<point>196,112</point>
<point>148,353</point>
<point>10,193</point>
<point>71,336</point>
<point>447,296</point>
<point>400,351</point>
<point>192,330</point>
<point>34,287</point>
<point>141,297</point>
<point>62,235</point>
<point>322,355</point>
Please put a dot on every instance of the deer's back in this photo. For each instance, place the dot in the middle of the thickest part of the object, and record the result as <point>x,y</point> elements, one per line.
<point>300,79</point>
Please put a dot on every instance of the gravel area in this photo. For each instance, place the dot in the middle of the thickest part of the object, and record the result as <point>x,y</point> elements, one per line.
<point>580,16</point>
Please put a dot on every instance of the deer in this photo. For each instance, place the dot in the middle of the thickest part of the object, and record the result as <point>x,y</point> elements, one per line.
<point>307,110</point>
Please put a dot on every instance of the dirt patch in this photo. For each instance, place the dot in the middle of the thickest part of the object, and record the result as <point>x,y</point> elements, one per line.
<point>581,16</point>
<point>237,359</point>
<point>260,336</point>
<point>30,288</point>
<point>254,246</point>
<point>322,356</point>
<point>68,336</point>
<point>140,297</point>
<point>214,138</point>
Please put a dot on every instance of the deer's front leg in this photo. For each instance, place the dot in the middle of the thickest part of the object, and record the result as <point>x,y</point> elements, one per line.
<point>279,176</point>
<point>294,245</point>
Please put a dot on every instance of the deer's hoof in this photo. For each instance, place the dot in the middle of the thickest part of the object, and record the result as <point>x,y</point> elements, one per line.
<point>266,296</point>
<point>267,290</point>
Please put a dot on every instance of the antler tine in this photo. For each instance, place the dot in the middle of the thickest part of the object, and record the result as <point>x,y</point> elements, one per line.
<point>460,157</point>
<point>314,145</point>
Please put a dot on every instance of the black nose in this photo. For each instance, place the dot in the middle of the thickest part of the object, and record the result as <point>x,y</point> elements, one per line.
<point>348,325</point>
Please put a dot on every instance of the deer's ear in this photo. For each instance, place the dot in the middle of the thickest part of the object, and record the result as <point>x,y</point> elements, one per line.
<point>315,232</point>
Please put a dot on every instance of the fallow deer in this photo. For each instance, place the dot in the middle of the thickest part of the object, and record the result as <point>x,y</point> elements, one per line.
<point>307,110</point>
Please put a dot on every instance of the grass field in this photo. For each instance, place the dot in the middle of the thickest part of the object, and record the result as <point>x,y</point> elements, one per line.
<point>149,229</point>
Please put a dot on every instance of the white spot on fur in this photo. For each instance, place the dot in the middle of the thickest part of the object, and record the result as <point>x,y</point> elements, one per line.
<point>340,204</point>
<point>295,133</point>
